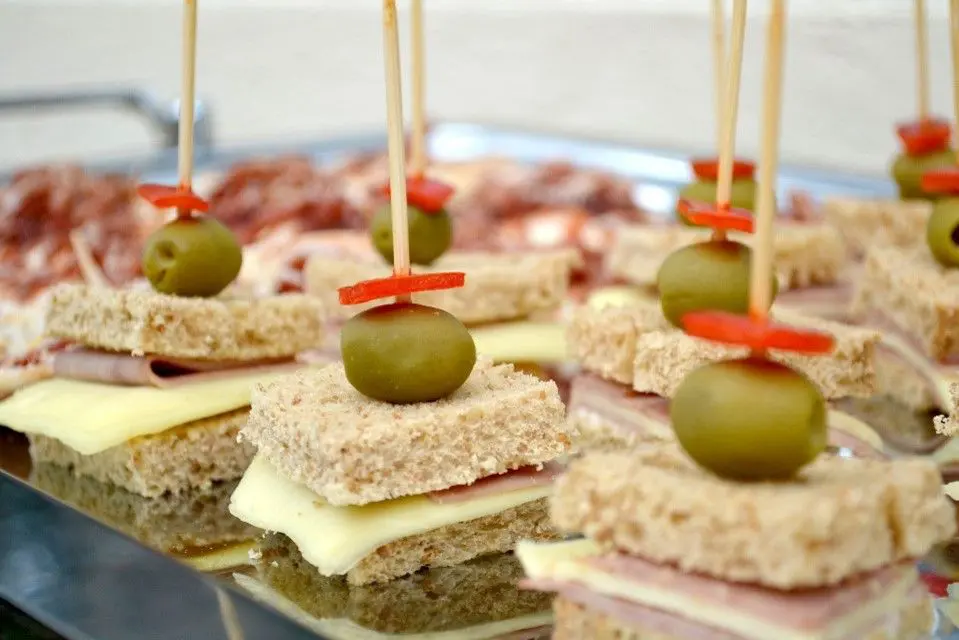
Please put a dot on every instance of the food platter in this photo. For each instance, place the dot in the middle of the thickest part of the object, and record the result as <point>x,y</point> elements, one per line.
<point>73,571</point>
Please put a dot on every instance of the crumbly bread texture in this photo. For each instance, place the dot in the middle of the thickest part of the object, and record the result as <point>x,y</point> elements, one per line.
<point>174,524</point>
<point>499,286</point>
<point>573,621</point>
<point>837,518</point>
<point>914,293</point>
<point>222,328</point>
<point>427,601</point>
<point>804,255</point>
<point>864,223</point>
<point>316,429</point>
<point>190,456</point>
<point>949,424</point>
<point>635,345</point>
<point>897,380</point>
<point>595,432</point>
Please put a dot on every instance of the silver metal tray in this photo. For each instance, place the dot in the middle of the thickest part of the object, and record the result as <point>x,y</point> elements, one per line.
<point>88,581</point>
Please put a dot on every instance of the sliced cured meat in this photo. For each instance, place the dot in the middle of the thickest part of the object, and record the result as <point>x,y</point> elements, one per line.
<point>156,371</point>
<point>522,478</point>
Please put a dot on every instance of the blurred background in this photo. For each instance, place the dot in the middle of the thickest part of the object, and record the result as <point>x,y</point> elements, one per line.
<point>631,70</point>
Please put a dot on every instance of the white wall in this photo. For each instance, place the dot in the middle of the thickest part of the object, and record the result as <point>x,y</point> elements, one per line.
<point>637,70</point>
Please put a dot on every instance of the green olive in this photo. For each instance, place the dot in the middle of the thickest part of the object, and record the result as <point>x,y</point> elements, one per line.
<point>742,195</point>
<point>907,172</point>
<point>430,234</point>
<point>404,353</point>
<point>942,232</point>
<point>749,419</point>
<point>194,257</point>
<point>706,275</point>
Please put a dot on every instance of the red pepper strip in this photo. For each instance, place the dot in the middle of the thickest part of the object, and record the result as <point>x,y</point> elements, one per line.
<point>941,181</point>
<point>730,328</point>
<point>430,196</point>
<point>708,168</point>
<point>400,286</point>
<point>162,196</point>
<point>924,136</point>
<point>716,217</point>
<point>937,585</point>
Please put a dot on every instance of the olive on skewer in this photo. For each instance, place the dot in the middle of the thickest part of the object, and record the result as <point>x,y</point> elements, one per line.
<point>942,228</point>
<point>704,187</point>
<point>925,148</point>
<point>429,224</point>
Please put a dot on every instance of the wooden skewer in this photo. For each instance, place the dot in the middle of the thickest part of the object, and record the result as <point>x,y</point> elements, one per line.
<point>92,274</point>
<point>954,41</point>
<point>187,94</point>
<point>762,267</point>
<point>394,126</point>
<point>418,160</point>
<point>922,61</point>
<point>730,108</point>
<point>719,64</point>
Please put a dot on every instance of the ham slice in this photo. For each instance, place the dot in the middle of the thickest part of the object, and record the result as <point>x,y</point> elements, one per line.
<point>619,406</point>
<point>831,302</point>
<point>154,371</point>
<point>522,478</point>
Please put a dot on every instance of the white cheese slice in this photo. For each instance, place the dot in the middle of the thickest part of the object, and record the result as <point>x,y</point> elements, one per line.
<point>91,417</point>
<point>541,342</point>
<point>562,562</point>
<point>855,427</point>
<point>335,539</point>
<point>952,491</point>
<point>344,629</point>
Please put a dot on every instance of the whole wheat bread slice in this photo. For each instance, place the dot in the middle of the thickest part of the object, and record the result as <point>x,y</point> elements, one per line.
<point>222,328</point>
<point>190,456</point>
<point>316,429</point>
<point>837,518</point>
<point>864,223</point>
<point>499,286</point>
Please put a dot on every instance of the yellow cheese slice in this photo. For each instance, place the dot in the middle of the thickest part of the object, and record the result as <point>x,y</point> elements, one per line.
<point>855,427</point>
<point>344,629</point>
<point>562,561</point>
<point>541,342</point>
<point>335,539</point>
<point>91,417</point>
<point>618,296</point>
<point>230,557</point>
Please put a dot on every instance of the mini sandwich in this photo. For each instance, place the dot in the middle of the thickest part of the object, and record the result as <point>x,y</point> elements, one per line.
<point>633,360</point>
<point>153,388</point>
<point>810,260</point>
<point>865,223</point>
<point>194,527</point>
<point>374,491</point>
<point>675,552</point>
<point>476,600</point>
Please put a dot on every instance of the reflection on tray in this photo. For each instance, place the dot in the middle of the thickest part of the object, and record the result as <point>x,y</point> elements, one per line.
<point>196,528</point>
<point>477,600</point>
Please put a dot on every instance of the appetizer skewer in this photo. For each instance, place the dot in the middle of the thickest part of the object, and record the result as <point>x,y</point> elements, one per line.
<point>415,453</point>
<point>674,532</point>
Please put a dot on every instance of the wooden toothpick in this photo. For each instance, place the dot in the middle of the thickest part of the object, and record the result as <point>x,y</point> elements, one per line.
<point>719,65</point>
<point>730,108</point>
<point>954,41</point>
<point>762,265</point>
<point>394,127</point>
<point>922,61</point>
<point>89,269</point>
<point>418,159</point>
<point>187,94</point>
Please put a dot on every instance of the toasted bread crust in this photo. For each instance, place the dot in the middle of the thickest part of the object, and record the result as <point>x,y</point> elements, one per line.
<point>498,286</point>
<point>804,255</point>
<point>915,293</point>
<point>840,517</point>
<point>949,424</point>
<point>190,456</point>
<point>864,223</point>
<point>573,621</point>
<point>318,430</point>
<point>635,345</point>
<point>146,322</point>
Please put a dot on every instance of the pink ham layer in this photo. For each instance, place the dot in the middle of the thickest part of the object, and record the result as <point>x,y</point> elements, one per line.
<point>623,409</point>
<point>830,301</point>
<point>124,369</point>
<point>805,610</point>
<point>522,478</point>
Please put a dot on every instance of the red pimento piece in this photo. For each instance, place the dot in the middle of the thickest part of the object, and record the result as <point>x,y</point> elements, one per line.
<point>396,285</point>
<point>924,136</point>
<point>758,335</point>
<point>937,585</point>
<point>430,196</point>
<point>708,169</point>
<point>163,196</point>
<point>716,217</point>
<point>944,180</point>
